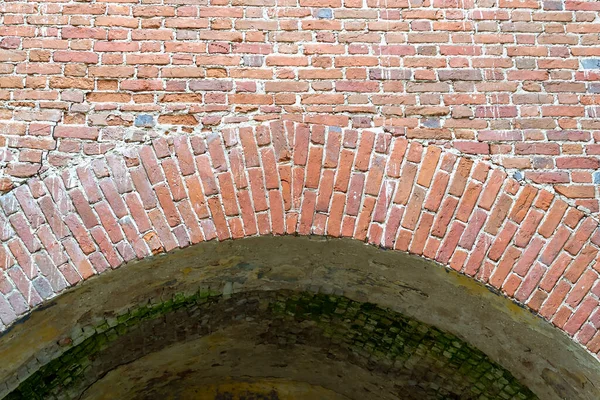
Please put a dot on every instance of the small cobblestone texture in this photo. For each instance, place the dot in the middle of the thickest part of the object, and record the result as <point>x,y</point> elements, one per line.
<point>422,361</point>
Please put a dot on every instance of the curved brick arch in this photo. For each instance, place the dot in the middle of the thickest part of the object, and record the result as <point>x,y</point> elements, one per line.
<point>286,177</point>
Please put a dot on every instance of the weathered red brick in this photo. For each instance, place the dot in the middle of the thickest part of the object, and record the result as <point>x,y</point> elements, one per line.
<point>161,226</point>
<point>421,234</point>
<point>77,132</point>
<point>581,236</point>
<point>473,228</point>
<point>55,220</point>
<point>167,205</point>
<point>498,215</point>
<point>502,240</point>
<point>405,184</point>
<point>555,245</point>
<point>108,221</point>
<point>258,190</point>
<point>113,197</point>
<point>522,204</point>
<point>343,174</point>
<point>553,218</point>
<point>581,288</point>
<point>580,263</point>
<point>396,157</point>
<point>437,191</point>
<point>528,257</point>
<point>206,174</point>
<point>450,242</point>
<point>491,189</point>
<point>460,176</point>
<point>581,315</point>
<point>429,165</point>
<point>143,187</point>
<point>468,200</point>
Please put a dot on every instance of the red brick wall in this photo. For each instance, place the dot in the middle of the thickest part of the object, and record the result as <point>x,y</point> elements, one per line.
<point>513,80</point>
<point>459,130</point>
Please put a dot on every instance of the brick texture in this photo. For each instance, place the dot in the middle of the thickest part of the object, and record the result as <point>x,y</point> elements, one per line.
<point>280,177</point>
<point>465,132</point>
<point>516,82</point>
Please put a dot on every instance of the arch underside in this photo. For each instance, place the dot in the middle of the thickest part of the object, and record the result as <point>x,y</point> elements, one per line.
<point>287,317</point>
<point>131,130</point>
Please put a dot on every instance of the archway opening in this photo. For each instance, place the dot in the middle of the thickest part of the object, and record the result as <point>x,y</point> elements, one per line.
<point>289,317</point>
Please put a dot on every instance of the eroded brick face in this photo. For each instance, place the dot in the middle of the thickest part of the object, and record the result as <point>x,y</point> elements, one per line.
<point>462,131</point>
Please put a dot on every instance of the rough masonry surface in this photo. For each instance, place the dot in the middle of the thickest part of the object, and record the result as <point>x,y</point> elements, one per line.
<point>516,81</point>
<point>423,362</point>
<point>292,178</point>
<point>141,295</point>
<point>462,131</point>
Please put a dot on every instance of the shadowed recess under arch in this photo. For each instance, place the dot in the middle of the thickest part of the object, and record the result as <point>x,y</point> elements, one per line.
<point>281,315</point>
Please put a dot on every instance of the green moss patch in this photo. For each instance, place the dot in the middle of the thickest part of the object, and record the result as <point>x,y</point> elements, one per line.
<point>423,361</point>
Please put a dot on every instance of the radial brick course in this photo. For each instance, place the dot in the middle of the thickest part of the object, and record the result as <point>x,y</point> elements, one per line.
<point>461,131</point>
<point>286,177</point>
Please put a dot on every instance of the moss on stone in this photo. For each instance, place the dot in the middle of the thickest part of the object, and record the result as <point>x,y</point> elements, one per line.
<point>439,363</point>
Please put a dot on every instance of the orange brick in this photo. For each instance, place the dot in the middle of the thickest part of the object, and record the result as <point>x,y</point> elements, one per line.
<point>429,165</point>
<point>460,176</point>
<point>405,184</point>
<point>522,204</point>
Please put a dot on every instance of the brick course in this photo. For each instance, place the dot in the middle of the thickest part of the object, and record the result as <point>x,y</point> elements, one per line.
<point>464,132</point>
<point>510,81</point>
<point>287,177</point>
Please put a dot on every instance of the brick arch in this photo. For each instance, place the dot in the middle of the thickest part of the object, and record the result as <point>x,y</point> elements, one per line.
<point>161,302</point>
<point>292,178</point>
